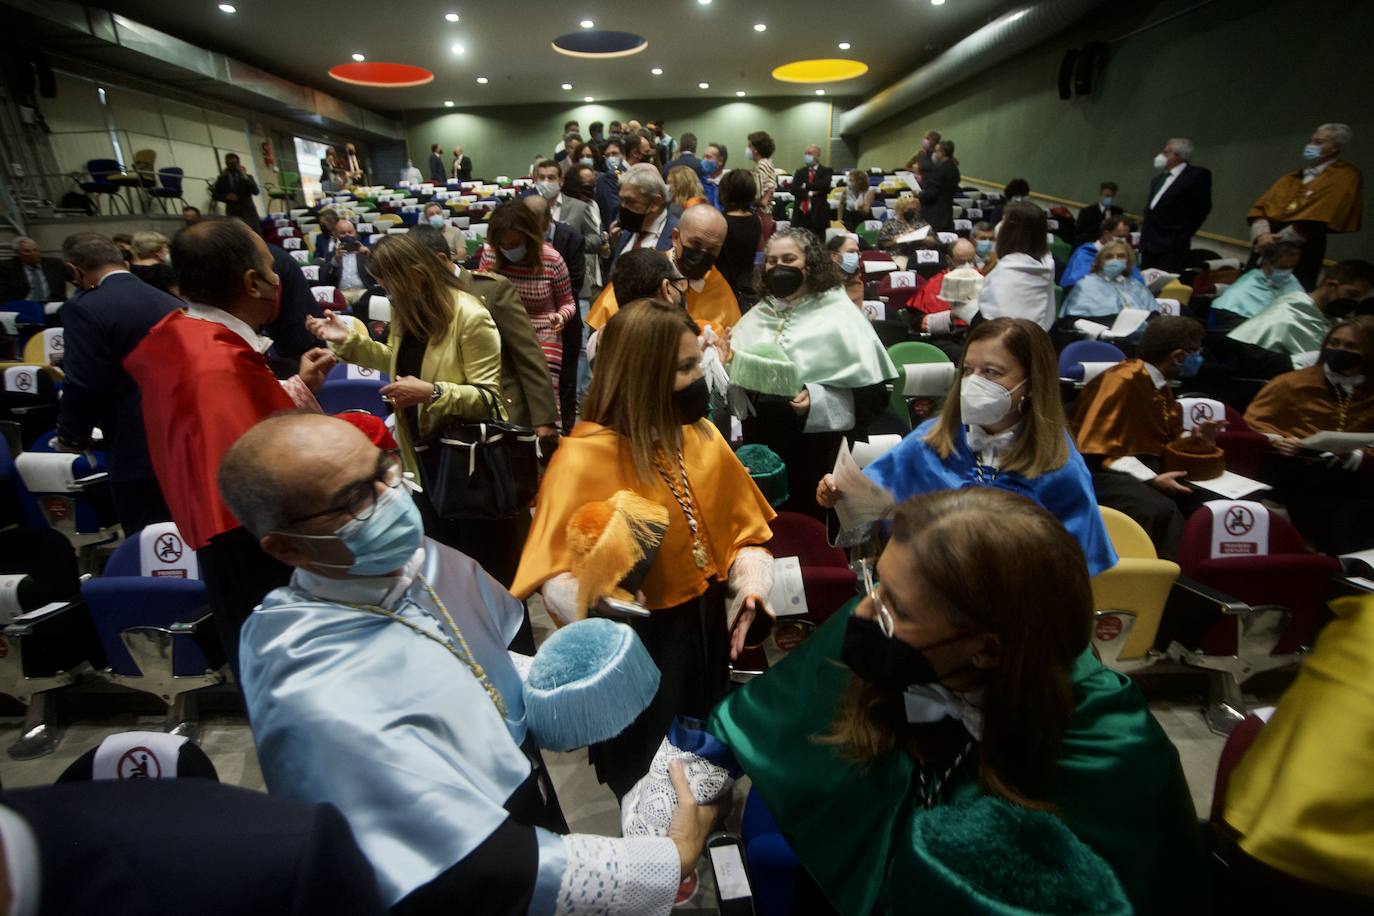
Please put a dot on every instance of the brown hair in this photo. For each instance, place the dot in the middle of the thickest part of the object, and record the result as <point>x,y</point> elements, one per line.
<point>738,190</point>
<point>1116,246</point>
<point>420,289</point>
<point>1025,230</point>
<point>1166,333</point>
<point>822,273</point>
<point>632,389</point>
<point>762,143</point>
<point>514,216</point>
<point>1363,328</point>
<point>1041,447</point>
<point>984,555</point>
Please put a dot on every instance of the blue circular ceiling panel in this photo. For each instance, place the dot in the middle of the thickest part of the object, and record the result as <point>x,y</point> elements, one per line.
<point>599,43</point>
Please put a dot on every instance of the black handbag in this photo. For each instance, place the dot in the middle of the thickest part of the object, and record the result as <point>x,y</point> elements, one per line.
<point>479,469</point>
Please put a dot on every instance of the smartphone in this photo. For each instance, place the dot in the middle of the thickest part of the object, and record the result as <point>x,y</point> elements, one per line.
<point>350,244</point>
<point>734,896</point>
<point>615,608</point>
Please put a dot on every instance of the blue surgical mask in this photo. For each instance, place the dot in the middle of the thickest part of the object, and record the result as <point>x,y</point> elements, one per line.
<point>1192,364</point>
<point>514,255</point>
<point>809,159</point>
<point>983,247</point>
<point>1279,278</point>
<point>849,261</point>
<point>437,221</point>
<point>1114,268</point>
<point>613,163</point>
<point>588,161</point>
<point>1108,201</point>
<point>547,189</point>
<point>1311,152</point>
<point>708,166</point>
<point>382,542</point>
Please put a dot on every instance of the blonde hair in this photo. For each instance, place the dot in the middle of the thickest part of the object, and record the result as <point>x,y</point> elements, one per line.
<point>1115,246</point>
<point>420,289</point>
<point>1041,447</point>
<point>148,244</point>
<point>683,185</point>
<point>632,389</point>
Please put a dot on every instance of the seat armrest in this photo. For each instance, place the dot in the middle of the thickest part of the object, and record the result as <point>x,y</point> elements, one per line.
<point>24,624</point>
<point>1196,592</point>
<point>206,637</point>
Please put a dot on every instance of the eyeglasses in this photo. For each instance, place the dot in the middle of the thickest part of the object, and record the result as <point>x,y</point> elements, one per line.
<point>674,281</point>
<point>886,622</point>
<point>360,500</point>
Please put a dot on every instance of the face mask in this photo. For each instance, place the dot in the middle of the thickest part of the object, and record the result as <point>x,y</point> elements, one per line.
<point>809,159</point>
<point>983,402</point>
<point>547,189</point>
<point>1114,268</point>
<point>1107,202</point>
<point>1341,360</point>
<point>694,263</point>
<point>692,403</point>
<point>384,541</point>
<point>514,255</point>
<point>1160,161</point>
<point>1341,308</point>
<point>983,247</point>
<point>1192,364</point>
<point>749,153</point>
<point>588,161</point>
<point>1311,152</point>
<point>436,221</point>
<point>631,221</point>
<point>885,660</point>
<point>849,262</point>
<point>1278,278</point>
<point>783,281</point>
<point>708,166</point>
<point>613,163</point>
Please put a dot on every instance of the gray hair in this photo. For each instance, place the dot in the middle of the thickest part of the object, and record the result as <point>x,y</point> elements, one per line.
<point>91,250</point>
<point>1279,250</point>
<point>646,181</point>
<point>21,240</point>
<point>1341,134</point>
<point>147,244</point>
<point>1183,148</point>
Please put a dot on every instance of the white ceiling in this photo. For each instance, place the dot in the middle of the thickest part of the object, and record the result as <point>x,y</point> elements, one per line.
<point>509,43</point>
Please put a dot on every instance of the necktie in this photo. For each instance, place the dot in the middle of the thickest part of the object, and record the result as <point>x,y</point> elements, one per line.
<point>639,240</point>
<point>810,178</point>
<point>38,283</point>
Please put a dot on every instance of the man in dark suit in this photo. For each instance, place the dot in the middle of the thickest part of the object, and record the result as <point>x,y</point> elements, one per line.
<point>1088,226</point>
<point>290,339</point>
<point>325,241</point>
<point>644,220</point>
<point>235,188</point>
<point>159,847</point>
<point>939,187</point>
<point>32,276</point>
<point>687,143</point>
<point>462,165</point>
<point>346,269</point>
<point>571,245</point>
<point>811,188</point>
<point>437,173</point>
<point>1180,199</point>
<point>608,183</point>
<point>110,314</point>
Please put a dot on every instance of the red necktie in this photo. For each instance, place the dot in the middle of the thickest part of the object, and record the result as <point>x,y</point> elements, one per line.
<point>810,178</point>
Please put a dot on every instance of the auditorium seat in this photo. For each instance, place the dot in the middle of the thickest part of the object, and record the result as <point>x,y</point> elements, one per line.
<point>338,396</point>
<point>152,614</point>
<point>1129,598</point>
<point>331,297</point>
<point>773,867</point>
<point>29,399</point>
<point>1079,352</point>
<point>141,755</point>
<point>1263,599</point>
<point>1245,449</point>
<point>45,348</point>
<point>910,406</point>
<point>72,495</point>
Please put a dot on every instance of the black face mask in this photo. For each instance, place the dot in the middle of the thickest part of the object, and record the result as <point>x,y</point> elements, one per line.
<point>1341,360</point>
<point>695,263</point>
<point>631,221</point>
<point>1341,308</point>
<point>887,661</point>
<point>783,281</point>
<point>692,402</point>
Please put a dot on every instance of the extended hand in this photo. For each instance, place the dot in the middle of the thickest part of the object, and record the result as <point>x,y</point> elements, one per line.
<point>692,823</point>
<point>751,610</point>
<point>827,494</point>
<point>1208,430</point>
<point>315,366</point>
<point>1287,446</point>
<point>802,403</point>
<point>1168,482</point>
<point>331,328</point>
<point>556,321</point>
<point>408,391</point>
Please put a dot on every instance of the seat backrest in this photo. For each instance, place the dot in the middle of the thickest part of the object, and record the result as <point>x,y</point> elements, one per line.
<point>171,178</point>
<point>102,169</point>
<point>1088,351</point>
<point>141,755</point>
<point>46,348</point>
<point>163,554</point>
<point>29,383</point>
<point>1198,410</point>
<point>1225,528</point>
<point>1128,538</point>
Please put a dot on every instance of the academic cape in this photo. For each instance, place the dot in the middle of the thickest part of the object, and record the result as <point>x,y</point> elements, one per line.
<point>1097,296</point>
<point>715,304</point>
<point>1121,413</point>
<point>913,468</point>
<point>1253,293</point>
<point>202,387</point>
<point>1293,325</point>
<point>1334,197</point>
<point>1301,403</point>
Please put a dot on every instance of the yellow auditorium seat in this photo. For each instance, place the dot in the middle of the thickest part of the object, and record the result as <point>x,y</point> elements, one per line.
<point>1128,599</point>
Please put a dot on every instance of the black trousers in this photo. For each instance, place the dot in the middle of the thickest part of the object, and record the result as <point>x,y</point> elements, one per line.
<point>238,575</point>
<point>138,504</point>
<point>1330,506</point>
<point>808,456</point>
<point>567,381</point>
<point>1174,260</point>
<point>1161,515</point>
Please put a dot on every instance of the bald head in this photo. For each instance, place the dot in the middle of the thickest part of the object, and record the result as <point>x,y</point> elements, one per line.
<point>540,207</point>
<point>962,253</point>
<point>701,227</point>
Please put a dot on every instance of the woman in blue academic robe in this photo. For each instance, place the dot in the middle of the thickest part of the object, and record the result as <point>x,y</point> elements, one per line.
<point>1003,427</point>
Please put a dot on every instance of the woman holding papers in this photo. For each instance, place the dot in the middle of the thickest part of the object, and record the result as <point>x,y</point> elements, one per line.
<point>806,367</point>
<point>1329,490</point>
<point>1004,427</point>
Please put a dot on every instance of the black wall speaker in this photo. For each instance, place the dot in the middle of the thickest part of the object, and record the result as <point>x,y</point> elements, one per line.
<point>1090,62</point>
<point>1066,68</point>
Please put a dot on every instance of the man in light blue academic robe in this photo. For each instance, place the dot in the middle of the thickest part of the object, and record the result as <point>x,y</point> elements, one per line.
<point>1296,324</point>
<point>1257,289</point>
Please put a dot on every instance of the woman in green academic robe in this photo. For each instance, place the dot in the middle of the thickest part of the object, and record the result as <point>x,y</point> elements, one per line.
<point>965,671</point>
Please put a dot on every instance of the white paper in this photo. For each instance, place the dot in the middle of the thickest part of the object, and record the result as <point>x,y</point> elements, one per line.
<point>1093,370</point>
<point>927,256</point>
<point>863,502</point>
<point>1157,279</point>
<point>903,279</point>
<point>879,267</point>
<point>1230,485</point>
<point>732,882</point>
<point>909,179</point>
<point>865,453</point>
<point>927,380</point>
<point>1361,582</point>
<point>41,611</point>
<point>1364,556</point>
<point>915,235</point>
<point>1338,443</point>
<point>787,598</point>
<point>1126,323</point>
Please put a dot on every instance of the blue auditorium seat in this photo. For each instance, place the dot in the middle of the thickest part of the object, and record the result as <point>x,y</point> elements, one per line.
<point>70,493</point>
<point>1073,357</point>
<point>773,867</point>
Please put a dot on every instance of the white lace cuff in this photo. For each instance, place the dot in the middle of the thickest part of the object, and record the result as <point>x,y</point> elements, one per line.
<point>832,409</point>
<point>560,598</point>
<point>1132,467</point>
<point>618,877</point>
<point>647,809</point>
<point>1258,228</point>
<point>750,574</point>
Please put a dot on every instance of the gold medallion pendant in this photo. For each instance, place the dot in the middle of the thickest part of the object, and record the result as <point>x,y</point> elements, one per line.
<point>699,555</point>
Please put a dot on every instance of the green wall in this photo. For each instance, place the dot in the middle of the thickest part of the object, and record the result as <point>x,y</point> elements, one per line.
<point>1247,80</point>
<point>504,141</point>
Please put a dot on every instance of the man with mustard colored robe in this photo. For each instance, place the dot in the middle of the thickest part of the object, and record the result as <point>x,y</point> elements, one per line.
<point>1322,198</point>
<point>1125,418</point>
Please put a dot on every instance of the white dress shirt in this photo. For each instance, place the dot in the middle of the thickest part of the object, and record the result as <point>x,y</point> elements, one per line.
<point>240,327</point>
<point>648,237</point>
<point>348,271</point>
<point>1309,175</point>
<point>1168,181</point>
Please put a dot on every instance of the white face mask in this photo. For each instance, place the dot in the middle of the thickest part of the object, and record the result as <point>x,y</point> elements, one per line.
<point>983,402</point>
<point>1160,161</point>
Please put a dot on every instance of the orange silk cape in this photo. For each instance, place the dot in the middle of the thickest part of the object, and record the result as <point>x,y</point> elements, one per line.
<point>1121,413</point>
<point>1301,403</point>
<point>714,305</point>
<point>1334,197</point>
<point>591,465</point>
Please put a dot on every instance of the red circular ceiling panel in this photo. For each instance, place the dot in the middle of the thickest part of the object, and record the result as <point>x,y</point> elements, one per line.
<point>384,75</point>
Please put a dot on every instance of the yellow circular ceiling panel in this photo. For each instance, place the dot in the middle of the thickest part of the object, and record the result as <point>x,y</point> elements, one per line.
<point>823,70</point>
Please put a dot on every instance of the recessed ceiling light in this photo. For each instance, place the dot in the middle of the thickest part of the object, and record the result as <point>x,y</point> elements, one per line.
<point>739,92</point>
<point>820,92</point>
<point>227,8</point>
<point>358,56</point>
<point>760,27</point>
<point>937,2</point>
<point>704,2</point>
<point>657,71</point>
<point>482,80</point>
<point>448,103</point>
<point>703,85</point>
<point>567,86</point>
<point>586,23</point>
<point>451,17</point>
<point>458,49</point>
<point>588,99</point>
<point>844,46</point>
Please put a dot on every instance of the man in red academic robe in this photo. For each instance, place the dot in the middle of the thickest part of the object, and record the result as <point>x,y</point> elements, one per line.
<point>204,382</point>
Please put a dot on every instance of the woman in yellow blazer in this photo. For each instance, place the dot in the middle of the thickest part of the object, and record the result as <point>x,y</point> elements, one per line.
<point>443,347</point>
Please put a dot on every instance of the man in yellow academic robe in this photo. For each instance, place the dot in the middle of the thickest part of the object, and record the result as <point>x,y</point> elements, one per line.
<point>1324,197</point>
